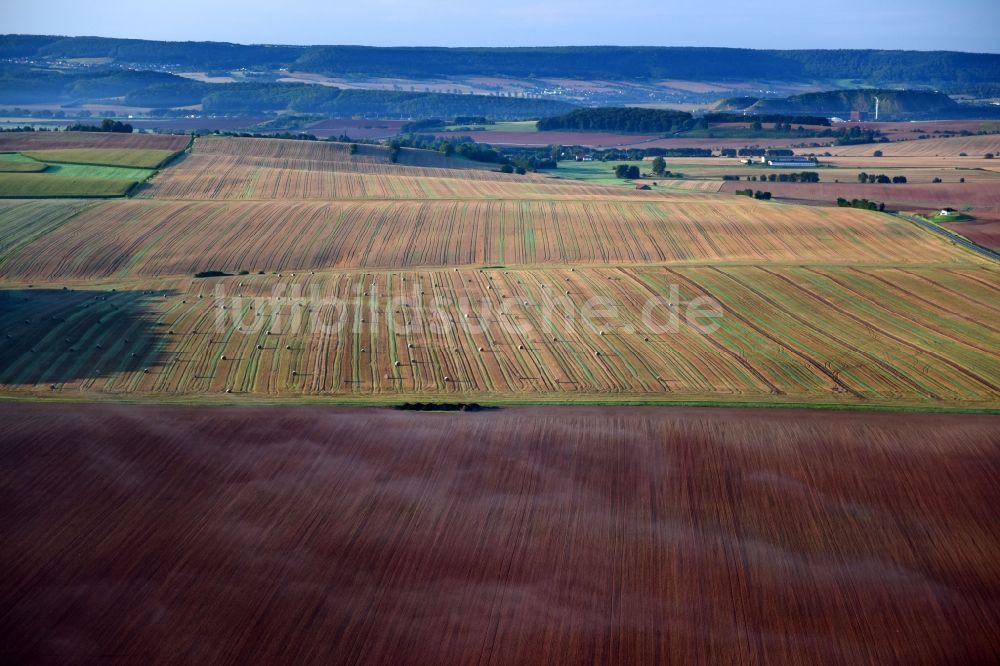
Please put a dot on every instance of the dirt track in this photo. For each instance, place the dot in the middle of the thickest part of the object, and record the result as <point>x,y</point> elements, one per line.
<point>532,535</point>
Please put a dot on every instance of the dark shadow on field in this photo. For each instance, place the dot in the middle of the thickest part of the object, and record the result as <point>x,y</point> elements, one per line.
<point>54,336</point>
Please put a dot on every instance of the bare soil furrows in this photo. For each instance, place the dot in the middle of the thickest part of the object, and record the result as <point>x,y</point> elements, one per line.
<point>547,535</point>
<point>21,141</point>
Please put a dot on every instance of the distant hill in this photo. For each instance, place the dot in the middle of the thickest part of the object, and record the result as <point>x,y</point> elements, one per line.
<point>583,62</point>
<point>893,104</point>
<point>26,84</point>
<point>732,103</point>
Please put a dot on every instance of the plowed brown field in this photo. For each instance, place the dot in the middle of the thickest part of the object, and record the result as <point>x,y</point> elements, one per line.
<point>544,535</point>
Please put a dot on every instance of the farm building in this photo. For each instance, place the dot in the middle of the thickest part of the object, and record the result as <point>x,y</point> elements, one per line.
<point>642,186</point>
<point>791,162</point>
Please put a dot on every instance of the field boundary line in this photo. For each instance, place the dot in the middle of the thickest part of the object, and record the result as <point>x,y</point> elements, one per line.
<point>951,236</point>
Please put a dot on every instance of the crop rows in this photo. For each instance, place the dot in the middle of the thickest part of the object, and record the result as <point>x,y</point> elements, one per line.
<point>229,177</point>
<point>804,334</point>
<point>153,238</point>
<point>28,141</point>
<point>973,146</point>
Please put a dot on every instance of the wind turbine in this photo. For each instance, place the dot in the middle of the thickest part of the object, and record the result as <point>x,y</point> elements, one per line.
<point>876,109</point>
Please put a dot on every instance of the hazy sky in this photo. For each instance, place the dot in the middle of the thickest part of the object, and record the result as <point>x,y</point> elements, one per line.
<point>963,25</point>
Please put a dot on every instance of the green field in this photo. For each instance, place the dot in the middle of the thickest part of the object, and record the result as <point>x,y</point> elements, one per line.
<point>953,217</point>
<point>18,163</point>
<point>602,173</point>
<point>502,126</point>
<point>98,171</point>
<point>146,158</point>
<point>23,176</point>
<point>46,185</point>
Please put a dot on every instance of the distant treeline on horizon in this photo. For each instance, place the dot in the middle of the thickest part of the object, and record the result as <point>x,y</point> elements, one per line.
<point>614,62</point>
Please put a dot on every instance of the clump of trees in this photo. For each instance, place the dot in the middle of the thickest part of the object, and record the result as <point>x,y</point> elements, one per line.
<point>755,194</point>
<point>108,125</point>
<point>627,171</point>
<point>619,119</point>
<point>794,177</point>
<point>881,179</point>
<point>864,204</point>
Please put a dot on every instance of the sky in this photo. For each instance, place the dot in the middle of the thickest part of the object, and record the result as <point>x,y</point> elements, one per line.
<point>956,25</point>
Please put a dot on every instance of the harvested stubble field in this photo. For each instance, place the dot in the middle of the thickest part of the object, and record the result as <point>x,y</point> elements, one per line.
<point>537,535</point>
<point>973,146</point>
<point>158,238</point>
<point>981,198</point>
<point>820,334</point>
<point>819,305</point>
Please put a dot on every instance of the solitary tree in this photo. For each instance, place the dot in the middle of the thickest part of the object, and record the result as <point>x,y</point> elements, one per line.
<point>659,165</point>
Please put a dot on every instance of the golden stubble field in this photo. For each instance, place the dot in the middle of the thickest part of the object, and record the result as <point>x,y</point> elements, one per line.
<point>354,279</point>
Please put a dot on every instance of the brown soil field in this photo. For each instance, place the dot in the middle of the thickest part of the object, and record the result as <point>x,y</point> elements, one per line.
<point>984,230</point>
<point>611,140</point>
<point>356,129</point>
<point>591,139</point>
<point>728,143</point>
<point>973,146</point>
<point>18,141</point>
<point>331,153</point>
<point>908,131</point>
<point>527,535</point>
<point>983,198</point>
<point>192,124</point>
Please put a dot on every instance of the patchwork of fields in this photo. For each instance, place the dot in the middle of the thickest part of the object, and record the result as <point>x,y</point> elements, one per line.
<point>73,165</point>
<point>354,279</point>
<point>972,146</point>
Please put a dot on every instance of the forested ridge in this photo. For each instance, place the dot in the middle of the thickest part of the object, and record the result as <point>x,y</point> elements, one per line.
<point>613,62</point>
